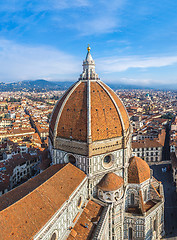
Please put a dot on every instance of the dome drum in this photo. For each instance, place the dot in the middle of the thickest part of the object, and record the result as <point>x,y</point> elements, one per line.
<point>92,149</point>
<point>72,146</point>
<point>110,196</point>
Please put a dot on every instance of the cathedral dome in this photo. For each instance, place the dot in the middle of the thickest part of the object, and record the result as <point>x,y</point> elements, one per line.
<point>89,110</point>
<point>110,182</point>
<point>138,170</point>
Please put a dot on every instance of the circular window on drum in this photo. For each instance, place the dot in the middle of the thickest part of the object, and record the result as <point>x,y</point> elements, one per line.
<point>70,158</point>
<point>54,236</point>
<point>108,161</point>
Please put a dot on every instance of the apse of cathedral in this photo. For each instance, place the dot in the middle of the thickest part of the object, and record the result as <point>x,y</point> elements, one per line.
<point>94,188</point>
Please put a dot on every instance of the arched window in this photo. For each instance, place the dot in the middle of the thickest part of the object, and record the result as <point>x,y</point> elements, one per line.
<point>130,233</point>
<point>145,195</point>
<point>132,199</point>
<point>108,196</point>
<point>79,203</point>
<point>155,225</point>
<point>100,193</point>
<point>116,196</point>
<point>54,236</point>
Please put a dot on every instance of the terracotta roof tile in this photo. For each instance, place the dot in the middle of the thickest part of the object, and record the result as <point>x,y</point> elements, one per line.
<point>73,120</point>
<point>21,191</point>
<point>110,182</point>
<point>120,106</point>
<point>148,205</point>
<point>146,143</point>
<point>138,170</point>
<point>57,108</point>
<point>105,121</point>
<point>23,219</point>
<point>85,226</point>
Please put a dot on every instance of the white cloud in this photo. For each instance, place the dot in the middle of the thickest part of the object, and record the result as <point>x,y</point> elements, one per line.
<point>19,62</point>
<point>116,64</point>
<point>102,17</point>
<point>86,16</point>
<point>97,25</point>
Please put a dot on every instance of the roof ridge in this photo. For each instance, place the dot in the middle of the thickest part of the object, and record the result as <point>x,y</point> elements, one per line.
<point>138,167</point>
<point>138,170</point>
<point>114,102</point>
<point>67,96</point>
<point>156,190</point>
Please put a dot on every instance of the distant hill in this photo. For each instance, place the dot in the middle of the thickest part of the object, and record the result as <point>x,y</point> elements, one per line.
<point>44,85</point>
<point>34,85</point>
<point>116,86</point>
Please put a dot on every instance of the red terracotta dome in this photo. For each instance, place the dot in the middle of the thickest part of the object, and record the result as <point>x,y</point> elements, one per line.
<point>88,110</point>
<point>110,182</point>
<point>138,170</point>
<point>107,113</point>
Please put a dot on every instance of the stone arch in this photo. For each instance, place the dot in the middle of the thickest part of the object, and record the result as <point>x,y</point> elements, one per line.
<point>54,235</point>
<point>132,198</point>
<point>130,233</point>
<point>108,196</point>
<point>117,195</point>
<point>128,196</point>
<point>100,193</point>
<point>79,202</point>
<point>155,224</point>
<point>145,195</point>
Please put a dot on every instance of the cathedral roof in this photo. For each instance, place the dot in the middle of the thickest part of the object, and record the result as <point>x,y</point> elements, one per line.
<point>25,218</point>
<point>21,191</point>
<point>138,170</point>
<point>91,214</point>
<point>89,110</point>
<point>111,182</point>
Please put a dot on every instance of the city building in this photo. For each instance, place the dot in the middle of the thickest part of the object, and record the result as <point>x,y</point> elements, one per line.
<point>173,136</point>
<point>95,189</point>
<point>148,149</point>
<point>17,168</point>
<point>174,168</point>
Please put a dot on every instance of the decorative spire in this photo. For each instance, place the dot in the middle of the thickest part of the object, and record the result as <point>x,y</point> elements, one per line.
<point>88,67</point>
<point>88,48</point>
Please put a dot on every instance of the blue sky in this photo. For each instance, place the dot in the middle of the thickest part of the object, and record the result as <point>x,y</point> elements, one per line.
<point>132,41</point>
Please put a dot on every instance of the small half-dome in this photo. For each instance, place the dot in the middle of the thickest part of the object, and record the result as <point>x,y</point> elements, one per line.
<point>138,170</point>
<point>110,182</point>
